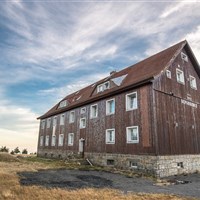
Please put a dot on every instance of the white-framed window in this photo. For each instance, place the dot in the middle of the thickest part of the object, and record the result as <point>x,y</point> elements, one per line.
<point>110,106</point>
<point>110,136</point>
<point>103,86</point>
<point>93,111</point>
<point>132,134</point>
<point>131,101</point>
<point>62,119</point>
<point>47,140</point>
<point>55,121</point>
<point>70,139</point>
<point>53,140</point>
<point>193,83</point>
<point>63,104</point>
<point>180,76</point>
<point>168,74</point>
<point>83,122</point>
<point>48,122</point>
<point>60,139</point>
<point>83,110</point>
<point>133,164</point>
<point>184,57</point>
<point>43,124</point>
<point>41,140</point>
<point>71,117</point>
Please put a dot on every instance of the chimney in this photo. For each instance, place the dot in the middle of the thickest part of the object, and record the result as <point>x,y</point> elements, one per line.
<point>112,72</point>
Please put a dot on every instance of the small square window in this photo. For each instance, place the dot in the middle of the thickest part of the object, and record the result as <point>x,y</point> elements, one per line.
<point>48,122</point>
<point>103,86</point>
<point>180,165</point>
<point>131,101</point>
<point>168,73</point>
<point>132,134</point>
<point>184,57</point>
<point>83,110</point>
<point>41,140</point>
<point>110,107</point>
<point>70,139</point>
<point>193,83</point>
<point>180,76</point>
<point>82,122</point>
<point>110,162</point>
<point>60,140</point>
<point>62,119</point>
<point>53,141</point>
<point>43,124</point>
<point>110,136</point>
<point>71,117</point>
<point>47,140</point>
<point>94,111</point>
<point>133,164</point>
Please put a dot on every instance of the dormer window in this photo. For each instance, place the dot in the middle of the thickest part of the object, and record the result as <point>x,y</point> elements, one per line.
<point>63,104</point>
<point>103,86</point>
<point>184,57</point>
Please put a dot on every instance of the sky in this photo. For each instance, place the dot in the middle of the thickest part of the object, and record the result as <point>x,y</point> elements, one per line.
<point>49,49</point>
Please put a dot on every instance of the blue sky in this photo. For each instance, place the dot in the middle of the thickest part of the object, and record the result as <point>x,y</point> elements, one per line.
<point>49,49</point>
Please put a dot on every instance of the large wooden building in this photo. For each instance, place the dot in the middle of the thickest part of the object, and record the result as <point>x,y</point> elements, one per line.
<point>144,117</point>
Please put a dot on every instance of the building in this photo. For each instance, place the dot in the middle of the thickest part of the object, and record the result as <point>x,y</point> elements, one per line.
<point>145,117</point>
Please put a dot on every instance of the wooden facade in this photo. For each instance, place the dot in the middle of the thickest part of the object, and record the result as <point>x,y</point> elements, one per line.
<point>167,113</point>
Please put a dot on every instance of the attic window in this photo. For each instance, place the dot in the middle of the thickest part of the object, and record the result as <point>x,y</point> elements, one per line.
<point>168,74</point>
<point>103,86</point>
<point>193,83</point>
<point>63,104</point>
<point>184,57</point>
<point>180,76</point>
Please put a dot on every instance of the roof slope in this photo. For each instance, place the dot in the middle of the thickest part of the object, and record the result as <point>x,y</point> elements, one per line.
<point>137,73</point>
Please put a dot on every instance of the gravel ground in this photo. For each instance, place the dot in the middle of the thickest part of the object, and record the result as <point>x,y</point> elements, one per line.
<point>75,179</point>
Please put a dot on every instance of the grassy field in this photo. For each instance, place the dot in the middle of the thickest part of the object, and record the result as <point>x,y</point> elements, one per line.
<point>10,187</point>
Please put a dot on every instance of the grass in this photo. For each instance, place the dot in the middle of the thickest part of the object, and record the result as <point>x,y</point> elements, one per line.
<point>10,188</point>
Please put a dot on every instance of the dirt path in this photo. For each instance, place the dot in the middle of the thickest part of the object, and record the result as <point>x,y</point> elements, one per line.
<point>74,179</point>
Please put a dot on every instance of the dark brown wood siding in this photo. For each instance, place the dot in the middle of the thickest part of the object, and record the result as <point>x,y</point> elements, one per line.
<point>177,111</point>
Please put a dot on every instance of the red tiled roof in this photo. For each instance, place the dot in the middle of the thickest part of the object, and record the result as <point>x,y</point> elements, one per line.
<point>137,73</point>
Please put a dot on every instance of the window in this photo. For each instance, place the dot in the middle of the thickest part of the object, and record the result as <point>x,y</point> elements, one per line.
<point>132,135</point>
<point>83,110</point>
<point>62,119</point>
<point>93,111</point>
<point>47,140</point>
<point>193,83</point>
<point>53,141</point>
<point>110,136</point>
<point>131,101</point>
<point>184,57</point>
<point>168,73</point>
<point>60,140</point>
<point>180,76</point>
<point>48,122</point>
<point>71,117</point>
<point>41,140</point>
<point>133,164</point>
<point>42,124</point>
<point>55,121</point>
<point>63,104</point>
<point>110,162</point>
<point>103,86</point>
<point>110,107</point>
<point>82,122</point>
<point>70,139</point>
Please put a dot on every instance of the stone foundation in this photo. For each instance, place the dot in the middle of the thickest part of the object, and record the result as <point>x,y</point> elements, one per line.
<point>159,166</point>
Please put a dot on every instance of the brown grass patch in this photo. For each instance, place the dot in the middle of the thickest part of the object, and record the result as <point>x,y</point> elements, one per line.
<point>10,189</point>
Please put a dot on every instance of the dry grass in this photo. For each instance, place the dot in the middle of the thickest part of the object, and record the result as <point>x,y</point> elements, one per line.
<point>10,189</point>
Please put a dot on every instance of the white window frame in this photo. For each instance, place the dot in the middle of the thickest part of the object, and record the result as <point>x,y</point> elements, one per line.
<point>63,104</point>
<point>91,111</point>
<point>108,107</point>
<point>128,108</point>
<point>193,85</point>
<point>53,140</point>
<point>82,125</point>
<point>47,140</point>
<point>41,140</point>
<point>184,57</point>
<point>182,78</point>
<point>108,141</point>
<point>83,110</point>
<point>49,122</point>
<point>72,117</point>
<point>128,140</point>
<point>62,119</point>
<point>43,124</point>
<point>61,140</point>
<point>70,143</point>
<point>168,74</point>
<point>102,87</point>
<point>55,121</point>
